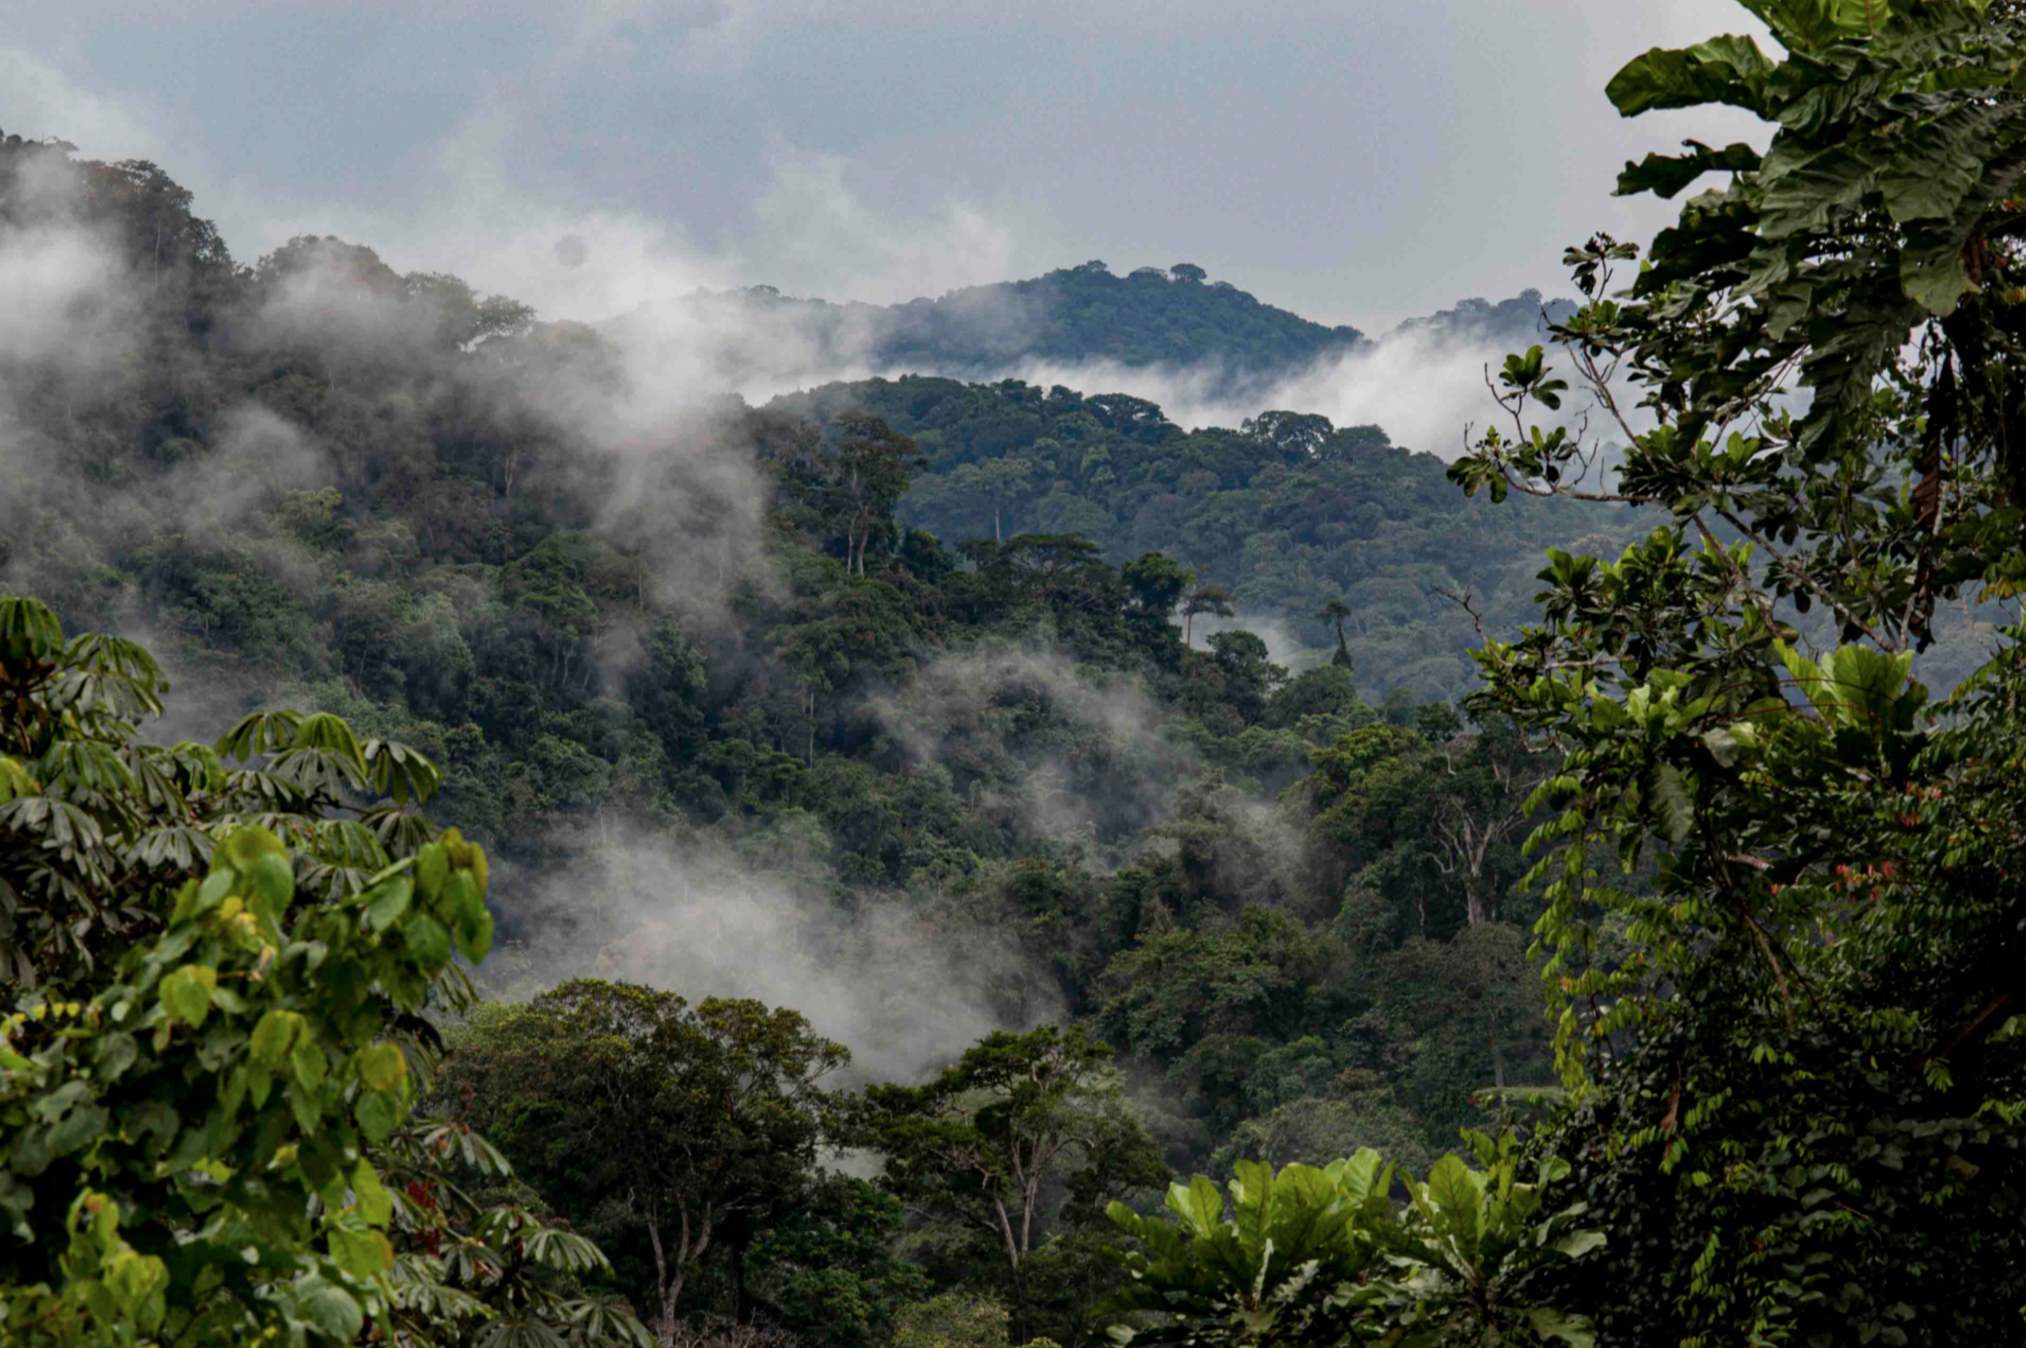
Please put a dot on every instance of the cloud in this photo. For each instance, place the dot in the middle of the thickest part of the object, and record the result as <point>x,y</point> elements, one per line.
<point>814,227</point>
<point>38,100</point>
<point>1423,388</point>
<point>906,984</point>
<point>63,292</point>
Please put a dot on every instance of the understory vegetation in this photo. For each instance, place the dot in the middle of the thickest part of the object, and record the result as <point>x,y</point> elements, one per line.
<point>549,860</point>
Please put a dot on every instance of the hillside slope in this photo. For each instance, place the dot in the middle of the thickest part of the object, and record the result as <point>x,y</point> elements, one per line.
<point>1287,511</point>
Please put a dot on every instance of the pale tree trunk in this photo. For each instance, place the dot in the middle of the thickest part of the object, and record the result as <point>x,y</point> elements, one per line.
<point>670,1279</point>
<point>1006,1234</point>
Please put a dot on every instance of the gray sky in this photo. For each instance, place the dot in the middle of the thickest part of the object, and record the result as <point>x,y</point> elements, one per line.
<point>1357,161</point>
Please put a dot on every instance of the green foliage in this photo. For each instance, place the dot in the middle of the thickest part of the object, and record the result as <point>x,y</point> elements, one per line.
<point>1283,514</point>
<point>1312,1255</point>
<point>830,1269</point>
<point>205,1099</point>
<point>1018,1120</point>
<point>1795,1101</point>
<point>671,1127</point>
<point>952,1320</point>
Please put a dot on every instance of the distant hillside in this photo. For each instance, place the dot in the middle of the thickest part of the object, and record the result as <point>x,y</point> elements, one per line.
<point>1287,511</point>
<point>1173,319</point>
<point>1077,314</point>
<point>1519,321</point>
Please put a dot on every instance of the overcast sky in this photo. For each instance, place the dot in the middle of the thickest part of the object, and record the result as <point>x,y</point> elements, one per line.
<point>1357,161</point>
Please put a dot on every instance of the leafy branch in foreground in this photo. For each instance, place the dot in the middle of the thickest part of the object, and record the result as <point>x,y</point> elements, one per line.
<point>1796,1063</point>
<point>205,1095</point>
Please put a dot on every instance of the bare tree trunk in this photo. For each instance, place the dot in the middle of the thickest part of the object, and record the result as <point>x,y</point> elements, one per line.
<point>665,1329</point>
<point>1006,1232</point>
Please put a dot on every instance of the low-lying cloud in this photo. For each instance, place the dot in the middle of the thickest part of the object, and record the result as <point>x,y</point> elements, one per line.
<point>905,982</point>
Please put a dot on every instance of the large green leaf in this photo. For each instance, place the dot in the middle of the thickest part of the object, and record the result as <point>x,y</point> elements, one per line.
<point>1722,70</point>
<point>1666,174</point>
<point>1457,1194</point>
<point>326,1307</point>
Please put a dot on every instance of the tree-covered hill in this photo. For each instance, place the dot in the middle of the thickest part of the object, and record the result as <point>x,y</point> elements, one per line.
<point>1002,861</point>
<point>692,668</point>
<point>1074,315</point>
<point>1286,511</point>
<point>1151,318</point>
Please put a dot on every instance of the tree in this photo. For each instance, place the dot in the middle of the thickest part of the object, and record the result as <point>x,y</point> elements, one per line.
<point>1212,599</point>
<point>1796,1057</point>
<point>1334,612</point>
<point>830,1270</point>
<point>633,1110</point>
<point>1479,800</point>
<point>1157,582</point>
<point>869,476</point>
<point>106,829</point>
<point>1249,676</point>
<point>1178,987</point>
<point>1017,1117</point>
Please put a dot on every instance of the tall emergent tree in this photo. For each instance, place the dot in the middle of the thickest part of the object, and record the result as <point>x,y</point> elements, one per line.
<point>1334,612</point>
<point>1800,1064</point>
<point>1018,1119</point>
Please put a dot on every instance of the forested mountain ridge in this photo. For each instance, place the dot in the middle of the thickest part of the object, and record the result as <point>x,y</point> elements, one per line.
<point>727,724</point>
<point>810,830</point>
<point>1152,318</point>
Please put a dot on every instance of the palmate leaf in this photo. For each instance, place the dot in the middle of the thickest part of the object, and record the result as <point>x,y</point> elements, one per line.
<point>455,1141</point>
<point>319,771</point>
<point>176,846</point>
<point>88,768</point>
<point>398,771</point>
<point>604,1320</point>
<point>93,694</point>
<point>29,631</point>
<point>257,733</point>
<point>519,1331</point>
<point>399,832</point>
<point>155,774</point>
<point>98,653</point>
<point>417,1282</point>
<point>553,1247</point>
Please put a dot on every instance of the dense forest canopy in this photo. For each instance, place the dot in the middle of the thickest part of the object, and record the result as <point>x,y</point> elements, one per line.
<point>499,848</point>
<point>1152,316</point>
